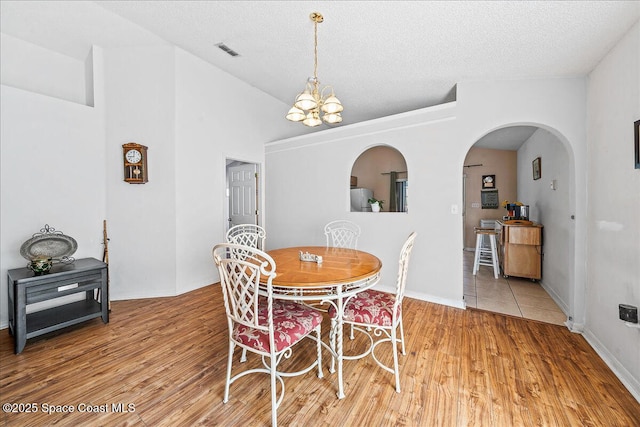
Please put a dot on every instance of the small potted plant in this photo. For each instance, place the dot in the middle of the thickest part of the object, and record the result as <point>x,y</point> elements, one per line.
<point>376,205</point>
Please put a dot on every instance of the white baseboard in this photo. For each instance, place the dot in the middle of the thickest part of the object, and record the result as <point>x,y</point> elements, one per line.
<point>556,298</point>
<point>632,384</point>
<point>426,297</point>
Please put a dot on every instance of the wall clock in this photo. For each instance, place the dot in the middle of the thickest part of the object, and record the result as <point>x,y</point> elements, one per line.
<point>134,157</point>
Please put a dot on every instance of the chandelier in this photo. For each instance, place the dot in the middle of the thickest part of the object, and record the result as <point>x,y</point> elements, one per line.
<point>312,101</point>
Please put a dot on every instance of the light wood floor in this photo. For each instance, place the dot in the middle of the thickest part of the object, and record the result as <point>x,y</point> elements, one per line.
<point>166,358</point>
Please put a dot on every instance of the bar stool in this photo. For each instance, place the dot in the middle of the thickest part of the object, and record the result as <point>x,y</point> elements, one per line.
<point>486,255</point>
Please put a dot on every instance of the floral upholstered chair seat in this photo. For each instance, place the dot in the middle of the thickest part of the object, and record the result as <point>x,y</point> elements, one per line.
<point>370,307</point>
<point>292,322</point>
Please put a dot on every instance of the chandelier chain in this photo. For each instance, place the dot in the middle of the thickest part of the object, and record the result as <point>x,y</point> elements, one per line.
<point>315,53</point>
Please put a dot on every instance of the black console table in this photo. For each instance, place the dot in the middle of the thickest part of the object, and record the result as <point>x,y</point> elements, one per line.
<point>24,288</point>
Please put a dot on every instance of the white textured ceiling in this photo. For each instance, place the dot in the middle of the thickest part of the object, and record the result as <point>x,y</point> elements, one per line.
<point>382,57</point>
<point>509,138</point>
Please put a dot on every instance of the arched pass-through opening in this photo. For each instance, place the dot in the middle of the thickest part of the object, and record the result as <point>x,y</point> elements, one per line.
<point>501,167</point>
<point>379,173</point>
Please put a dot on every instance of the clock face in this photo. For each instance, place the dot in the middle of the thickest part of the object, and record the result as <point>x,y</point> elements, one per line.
<point>133,156</point>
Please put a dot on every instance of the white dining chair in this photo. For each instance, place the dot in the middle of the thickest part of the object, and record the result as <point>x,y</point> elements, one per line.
<point>342,234</point>
<point>257,321</point>
<point>379,315</point>
<point>247,235</point>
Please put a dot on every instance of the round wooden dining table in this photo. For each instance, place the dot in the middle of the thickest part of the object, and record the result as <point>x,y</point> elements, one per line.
<point>341,273</point>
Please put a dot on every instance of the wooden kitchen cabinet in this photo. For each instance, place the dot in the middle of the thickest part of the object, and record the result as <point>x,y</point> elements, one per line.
<point>520,248</point>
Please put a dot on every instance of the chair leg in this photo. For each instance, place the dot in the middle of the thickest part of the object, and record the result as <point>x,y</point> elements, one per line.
<point>402,336</point>
<point>229,363</point>
<point>332,343</point>
<point>395,359</point>
<point>319,349</point>
<point>274,396</point>
<point>243,358</point>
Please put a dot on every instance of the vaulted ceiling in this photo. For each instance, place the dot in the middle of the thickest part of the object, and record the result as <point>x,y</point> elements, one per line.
<point>381,57</point>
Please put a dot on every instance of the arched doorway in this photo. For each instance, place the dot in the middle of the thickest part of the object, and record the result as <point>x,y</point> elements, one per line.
<point>507,155</point>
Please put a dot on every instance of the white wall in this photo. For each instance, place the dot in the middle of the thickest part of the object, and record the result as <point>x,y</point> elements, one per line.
<point>52,171</point>
<point>212,124</point>
<point>551,209</point>
<point>613,255</point>
<point>36,69</point>
<point>307,187</point>
<point>189,114</point>
<point>140,105</point>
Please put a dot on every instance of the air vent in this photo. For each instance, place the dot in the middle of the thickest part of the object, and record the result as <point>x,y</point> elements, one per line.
<point>226,48</point>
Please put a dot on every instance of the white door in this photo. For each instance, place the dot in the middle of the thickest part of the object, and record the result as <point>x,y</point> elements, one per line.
<point>243,194</point>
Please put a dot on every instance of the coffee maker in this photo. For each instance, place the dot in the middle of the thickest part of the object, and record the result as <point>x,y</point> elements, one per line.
<point>515,211</point>
<point>522,212</point>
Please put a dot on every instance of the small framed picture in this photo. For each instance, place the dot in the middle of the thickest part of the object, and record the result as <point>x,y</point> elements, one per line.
<point>537,168</point>
<point>636,132</point>
<point>488,181</point>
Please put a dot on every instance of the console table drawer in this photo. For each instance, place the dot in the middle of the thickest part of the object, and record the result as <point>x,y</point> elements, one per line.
<point>63,287</point>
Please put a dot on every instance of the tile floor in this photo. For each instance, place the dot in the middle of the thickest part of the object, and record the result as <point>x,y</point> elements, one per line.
<point>513,296</point>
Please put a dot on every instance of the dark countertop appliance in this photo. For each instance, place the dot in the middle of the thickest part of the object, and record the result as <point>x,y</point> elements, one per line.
<point>517,211</point>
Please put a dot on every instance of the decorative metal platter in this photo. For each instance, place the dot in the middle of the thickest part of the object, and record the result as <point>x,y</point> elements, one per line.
<point>49,243</point>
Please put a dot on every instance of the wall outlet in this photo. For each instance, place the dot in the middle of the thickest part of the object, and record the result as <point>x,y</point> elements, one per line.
<point>628,313</point>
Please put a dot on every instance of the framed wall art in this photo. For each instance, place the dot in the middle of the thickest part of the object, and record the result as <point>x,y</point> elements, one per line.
<point>489,199</point>
<point>488,182</point>
<point>636,132</point>
<point>537,168</point>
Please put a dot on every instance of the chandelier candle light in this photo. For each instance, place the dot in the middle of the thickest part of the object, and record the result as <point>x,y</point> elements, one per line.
<point>312,101</point>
